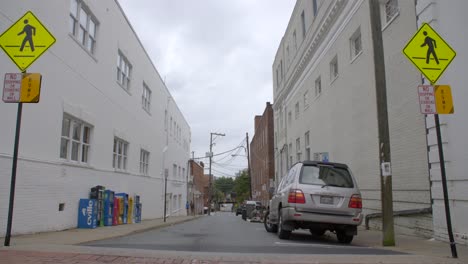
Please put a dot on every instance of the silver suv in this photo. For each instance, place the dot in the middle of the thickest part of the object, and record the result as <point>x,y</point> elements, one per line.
<point>318,196</point>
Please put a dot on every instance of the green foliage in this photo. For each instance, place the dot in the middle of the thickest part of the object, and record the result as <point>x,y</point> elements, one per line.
<point>242,187</point>
<point>224,184</point>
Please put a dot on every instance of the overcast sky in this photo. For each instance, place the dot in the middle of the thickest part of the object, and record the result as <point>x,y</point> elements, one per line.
<point>216,57</point>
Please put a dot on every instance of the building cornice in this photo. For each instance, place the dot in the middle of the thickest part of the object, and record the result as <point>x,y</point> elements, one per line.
<point>308,51</point>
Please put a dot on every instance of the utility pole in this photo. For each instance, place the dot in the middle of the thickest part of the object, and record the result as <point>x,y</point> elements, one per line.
<point>388,238</point>
<point>210,191</point>
<point>248,164</point>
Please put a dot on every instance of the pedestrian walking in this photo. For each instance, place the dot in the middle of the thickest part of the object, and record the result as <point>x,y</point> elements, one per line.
<point>187,207</point>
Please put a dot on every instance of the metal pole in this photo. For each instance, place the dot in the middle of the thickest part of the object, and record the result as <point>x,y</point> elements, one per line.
<point>165,194</point>
<point>13,175</point>
<point>382,119</point>
<point>209,175</point>
<point>453,246</point>
<point>248,164</point>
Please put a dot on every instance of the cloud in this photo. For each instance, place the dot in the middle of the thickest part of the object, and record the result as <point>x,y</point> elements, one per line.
<point>216,58</point>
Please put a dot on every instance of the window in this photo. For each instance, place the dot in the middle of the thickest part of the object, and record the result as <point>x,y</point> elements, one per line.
<point>303,24</point>
<point>334,68</point>
<point>146,98</point>
<point>356,44</point>
<point>295,40</point>
<point>307,145</point>
<point>75,140</point>
<point>170,130</point>
<point>165,120</point>
<point>306,99</point>
<point>326,175</point>
<point>174,171</point>
<point>318,86</point>
<point>144,161</point>
<point>83,25</point>
<point>296,111</point>
<point>391,10</point>
<point>289,118</point>
<point>298,149</point>
<point>314,5</point>
<point>290,155</point>
<point>287,55</point>
<point>123,71</point>
<point>277,77</point>
<point>120,154</point>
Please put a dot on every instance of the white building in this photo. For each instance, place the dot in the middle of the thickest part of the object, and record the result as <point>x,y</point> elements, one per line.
<point>325,101</point>
<point>448,19</point>
<point>105,118</point>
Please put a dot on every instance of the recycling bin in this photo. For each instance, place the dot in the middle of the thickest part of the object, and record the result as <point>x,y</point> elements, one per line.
<point>87,213</point>
<point>108,207</point>
<point>97,193</point>
<point>123,207</point>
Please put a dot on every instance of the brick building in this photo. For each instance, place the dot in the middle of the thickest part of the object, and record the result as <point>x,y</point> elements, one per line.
<point>262,156</point>
<point>200,185</point>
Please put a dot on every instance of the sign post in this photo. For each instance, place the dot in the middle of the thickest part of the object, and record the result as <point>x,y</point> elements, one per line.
<point>24,42</point>
<point>429,52</point>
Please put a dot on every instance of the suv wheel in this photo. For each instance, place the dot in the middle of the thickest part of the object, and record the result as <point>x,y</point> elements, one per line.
<point>343,238</point>
<point>282,234</point>
<point>271,228</point>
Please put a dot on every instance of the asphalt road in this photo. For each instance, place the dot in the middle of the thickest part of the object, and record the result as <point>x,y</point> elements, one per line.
<point>225,232</point>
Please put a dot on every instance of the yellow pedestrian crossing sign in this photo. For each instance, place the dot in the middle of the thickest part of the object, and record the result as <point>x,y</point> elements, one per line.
<point>26,40</point>
<point>429,52</point>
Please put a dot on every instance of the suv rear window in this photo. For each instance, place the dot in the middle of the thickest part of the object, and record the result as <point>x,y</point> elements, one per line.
<point>326,175</point>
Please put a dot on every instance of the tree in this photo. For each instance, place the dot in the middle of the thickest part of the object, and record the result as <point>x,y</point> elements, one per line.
<point>242,186</point>
<point>224,184</point>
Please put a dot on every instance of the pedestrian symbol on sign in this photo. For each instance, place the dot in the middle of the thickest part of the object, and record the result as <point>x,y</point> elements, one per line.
<point>30,31</point>
<point>431,45</point>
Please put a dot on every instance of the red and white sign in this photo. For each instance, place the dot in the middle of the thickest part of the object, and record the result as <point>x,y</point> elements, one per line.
<point>12,87</point>
<point>427,99</point>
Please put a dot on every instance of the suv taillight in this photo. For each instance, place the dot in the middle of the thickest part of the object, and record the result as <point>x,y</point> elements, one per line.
<point>355,201</point>
<point>296,196</point>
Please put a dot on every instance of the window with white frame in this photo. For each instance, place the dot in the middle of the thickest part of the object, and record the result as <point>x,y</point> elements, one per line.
<point>120,154</point>
<point>83,25</point>
<point>174,171</point>
<point>315,7</point>
<point>144,161</point>
<point>334,68</point>
<point>391,10</point>
<point>355,43</point>
<point>146,98</point>
<point>295,40</point>
<point>318,86</point>
<point>290,155</point>
<point>289,118</point>
<point>75,140</point>
<point>298,149</point>
<point>124,69</point>
<point>307,145</point>
<point>303,24</point>
<point>306,100</point>
<point>296,108</point>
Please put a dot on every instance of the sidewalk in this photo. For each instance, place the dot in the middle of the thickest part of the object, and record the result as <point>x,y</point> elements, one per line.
<point>78,236</point>
<point>410,244</point>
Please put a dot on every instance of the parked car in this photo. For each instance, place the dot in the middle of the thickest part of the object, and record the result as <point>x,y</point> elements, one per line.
<point>318,196</point>
<point>239,210</point>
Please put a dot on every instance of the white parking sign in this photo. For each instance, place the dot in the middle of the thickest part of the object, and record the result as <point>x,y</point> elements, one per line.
<point>12,87</point>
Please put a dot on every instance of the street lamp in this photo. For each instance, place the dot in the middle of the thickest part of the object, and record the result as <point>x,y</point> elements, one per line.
<point>210,155</point>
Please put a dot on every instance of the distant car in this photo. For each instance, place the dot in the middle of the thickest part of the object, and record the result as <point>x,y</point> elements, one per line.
<point>239,210</point>
<point>318,196</point>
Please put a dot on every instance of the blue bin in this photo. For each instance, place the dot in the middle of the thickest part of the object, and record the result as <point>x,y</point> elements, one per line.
<point>87,213</point>
<point>108,207</point>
